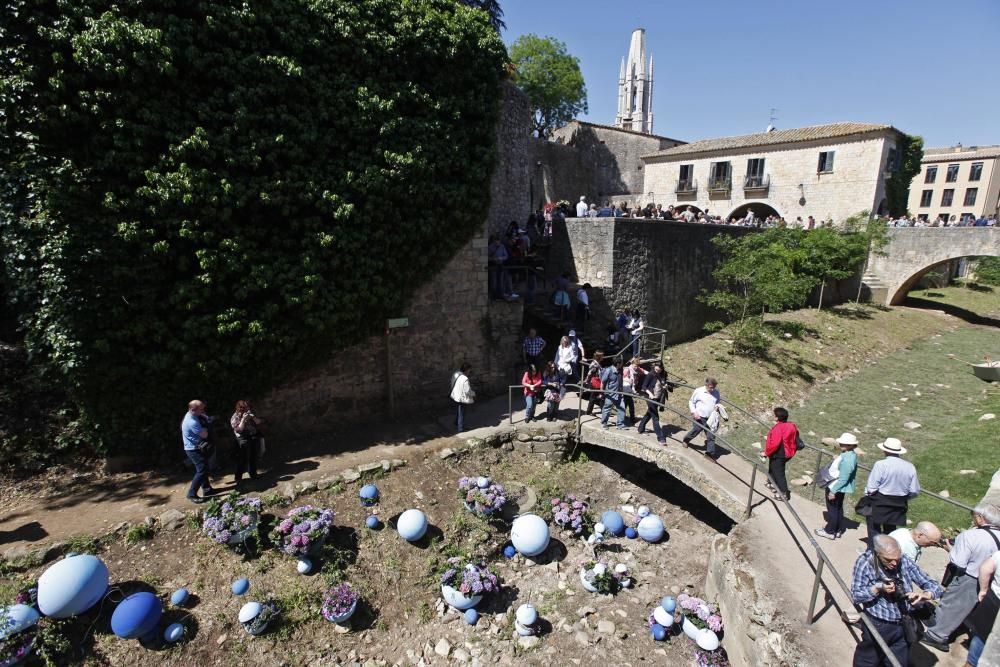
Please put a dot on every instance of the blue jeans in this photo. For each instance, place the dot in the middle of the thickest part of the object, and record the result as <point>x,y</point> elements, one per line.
<point>975,650</point>
<point>606,410</point>
<point>530,401</point>
<point>460,419</point>
<point>652,414</point>
<point>636,344</point>
<point>200,473</point>
<point>699,426</point>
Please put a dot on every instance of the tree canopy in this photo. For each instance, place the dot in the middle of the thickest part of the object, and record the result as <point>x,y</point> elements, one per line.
<point>197,198</point>
<point>493,9</point>
<point>551,79</point>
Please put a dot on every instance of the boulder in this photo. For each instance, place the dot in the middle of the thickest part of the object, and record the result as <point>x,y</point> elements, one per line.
<point>171,519</point>
<point>912,426</point>
<point>350,475</point>
<point>446,453</point>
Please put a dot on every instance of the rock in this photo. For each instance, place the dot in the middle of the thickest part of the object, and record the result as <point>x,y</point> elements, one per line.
<point>944,494</point>
<point>830,442</point>
<point>966,472</point>
<point>528,643</point>
<point>222,639</point>
<point>369,467</point>
<point>912,426</point>
<point>324,484</point>
<point>461,655</point>
<point>755,445</point>
<point>288,490</point>
<point>606,627</point>
<point>583,612</point>
<point>811,434</point>
<point>350,475</point>
<point>808,479</point>
<point>172,519</point>
<point>341,629</point>
<point>774,641</point>
<point>308,487</point>
<point>446,453</point>
<point>19,552</point>
<point>628,509</point>
<point>799,482</point>
<point>523,437</point>
<point>582,638</point>
<point>625,496</point>
<point>443,647</point>
<point>397,463</point>
<point>988,416</point>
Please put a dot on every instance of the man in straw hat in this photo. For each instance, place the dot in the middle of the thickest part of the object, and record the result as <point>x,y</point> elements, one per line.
<point>891,484</point>
<point>842,472</point>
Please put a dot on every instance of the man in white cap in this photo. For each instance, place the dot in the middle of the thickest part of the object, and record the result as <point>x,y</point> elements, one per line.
<point>891,484</point>
<point>581,207</point>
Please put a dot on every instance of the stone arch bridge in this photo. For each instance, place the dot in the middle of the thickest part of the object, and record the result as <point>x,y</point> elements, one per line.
<point>912,252</point>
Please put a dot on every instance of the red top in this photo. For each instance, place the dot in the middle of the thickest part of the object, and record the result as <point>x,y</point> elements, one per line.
<point>782,433</point>
<point>534,380</point>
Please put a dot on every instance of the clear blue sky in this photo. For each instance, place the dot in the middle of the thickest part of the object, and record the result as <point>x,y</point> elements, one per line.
<point>928,68</point>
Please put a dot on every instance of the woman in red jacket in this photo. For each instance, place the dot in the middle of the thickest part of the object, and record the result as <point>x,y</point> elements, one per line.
<point>780,447</point>
<point>532,383</point>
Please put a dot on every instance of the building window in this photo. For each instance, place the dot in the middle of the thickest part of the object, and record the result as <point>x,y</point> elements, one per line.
<point>976,171</point>
<point>925,198</point>
<point>891,161</point>
<point>687,173</point>
<point>970,196</point>
<point>922,216</point>
<point>952,175</point>
<point>755,172</point>
<point>947,196</point>
<point>930,175</point>
<point>825,162</point>
<point>720,176</point>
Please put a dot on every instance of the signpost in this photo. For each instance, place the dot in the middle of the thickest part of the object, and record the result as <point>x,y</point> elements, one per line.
<point>390,324</point>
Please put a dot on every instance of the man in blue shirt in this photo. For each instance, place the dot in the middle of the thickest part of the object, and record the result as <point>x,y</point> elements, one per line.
<point>890,486</point>
<point>195,435</point>
<point>883,586</point>
<point>611,385</point>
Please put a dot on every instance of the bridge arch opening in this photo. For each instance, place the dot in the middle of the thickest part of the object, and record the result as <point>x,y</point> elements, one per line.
<point>760,211</point>
<point>899,296</point>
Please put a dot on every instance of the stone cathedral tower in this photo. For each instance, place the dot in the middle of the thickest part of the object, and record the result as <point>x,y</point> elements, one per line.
<point>635,88</point>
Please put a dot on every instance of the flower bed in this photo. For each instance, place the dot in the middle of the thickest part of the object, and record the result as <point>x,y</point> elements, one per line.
<point>572,514</point>
<point>599,577</point>
<point>231,519</point>
<point>303,530</point>
<point>339,603</point>
<point>483,501</point>
<point>469,578</point>
<point>704,615</point>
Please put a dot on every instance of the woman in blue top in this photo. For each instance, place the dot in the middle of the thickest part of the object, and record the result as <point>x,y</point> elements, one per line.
<point>844,469</point>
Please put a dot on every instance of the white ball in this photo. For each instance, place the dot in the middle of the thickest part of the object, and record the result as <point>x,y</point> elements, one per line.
<point>707,640</point>
<point>411,525</point>
<point>72,586</point>
<point>621,568</point>
<point>529,534</point>
<point>650,528</point>
<point>483,482</point>
<point>600,569</point>
<point>304,566</point>
<point>250,611</point>
<point>643,511</point>
<point>663,617</point>
<point>599,528</point>
<point>526,615</point>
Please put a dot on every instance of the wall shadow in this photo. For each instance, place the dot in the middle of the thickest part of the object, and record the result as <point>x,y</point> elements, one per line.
<point>955,311</point>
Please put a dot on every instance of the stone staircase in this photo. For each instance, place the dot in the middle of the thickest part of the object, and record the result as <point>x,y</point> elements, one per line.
<point>877,291</point>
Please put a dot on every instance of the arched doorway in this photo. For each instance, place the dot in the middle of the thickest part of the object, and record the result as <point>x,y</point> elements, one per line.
<point>942,266</point>
<point>760,211</point>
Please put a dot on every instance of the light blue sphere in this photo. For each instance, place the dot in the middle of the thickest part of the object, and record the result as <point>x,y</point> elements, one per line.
<point>373,522</point>
<point>613,523</point>
<point>369,494</point>
<point>72,586</point>
<point>483,482</point>
<point>471,616</point>
<point>669,604</point>
<point>304,566</point>
<point>526,615</point>
<point>174,632</point>
<point>630,533</point>
<point>250,611</point>
<point>179,597</point>
<point>659,632</point>
<point>530,534</point>
<point>241,586</point>
<point>21,617</point>
<point>509,551</point>
<point>411,525</point>
<point>650,528</point>
<point>136,616</point>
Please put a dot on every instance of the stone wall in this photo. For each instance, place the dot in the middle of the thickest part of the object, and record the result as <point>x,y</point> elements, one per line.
<point>509,187</point>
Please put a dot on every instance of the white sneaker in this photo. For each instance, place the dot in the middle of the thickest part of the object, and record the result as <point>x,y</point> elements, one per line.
<point>823,533</point>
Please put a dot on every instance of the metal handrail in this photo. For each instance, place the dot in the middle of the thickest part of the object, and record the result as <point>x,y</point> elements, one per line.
<point>820,554</point>
<point>755,182</point>
<point>720,183</point>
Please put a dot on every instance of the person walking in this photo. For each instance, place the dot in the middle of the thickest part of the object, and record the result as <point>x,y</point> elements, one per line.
<point>704,401</point>
<point>843,471</point>
<point>553,391</point>
<point>194,435</point>
<point>532,348</point>
<point>883,585</point>
<point>582,306</point>
<point>632,379</point>
<point>984,615</point>
<point>636,326</point>
<point>611,386</point>
<point>462,394</point>
<point>890,486</point>
<point>593,382</point>
<point>532,383</point>
<point>656,387</point>
<point>565,361</point>
<point>779,449</point>
<point>246,427</point>
<point>581,354</point>
<point>972,548</point>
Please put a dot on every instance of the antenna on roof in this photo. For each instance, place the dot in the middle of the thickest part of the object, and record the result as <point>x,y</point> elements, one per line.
<point>770,125</point>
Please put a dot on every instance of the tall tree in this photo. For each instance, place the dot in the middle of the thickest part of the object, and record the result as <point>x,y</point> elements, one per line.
<point>491,7</point>
<point>910,150</point>
<point>551,78</point>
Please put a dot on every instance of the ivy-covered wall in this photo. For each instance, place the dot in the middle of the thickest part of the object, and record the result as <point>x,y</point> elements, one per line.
<point>199,198</point>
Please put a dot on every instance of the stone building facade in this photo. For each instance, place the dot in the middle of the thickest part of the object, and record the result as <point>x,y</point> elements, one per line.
<point>828,171</point>
<point>955,183</point>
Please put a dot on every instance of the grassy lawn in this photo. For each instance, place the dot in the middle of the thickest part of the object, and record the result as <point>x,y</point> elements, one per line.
<point>980,299</point>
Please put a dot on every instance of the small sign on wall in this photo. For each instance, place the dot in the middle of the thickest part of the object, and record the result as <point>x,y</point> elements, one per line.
<point>397,323</point>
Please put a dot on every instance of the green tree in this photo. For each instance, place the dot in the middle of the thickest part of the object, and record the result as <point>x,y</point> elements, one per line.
<point>551,79</point>
<point>198,198</point>
<point>832,255</point>
<point>909,150</point>
<point>987,270</point>
<point>492,9</point>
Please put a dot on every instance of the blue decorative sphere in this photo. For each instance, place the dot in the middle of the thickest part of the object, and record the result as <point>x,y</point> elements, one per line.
<point>651,528</point>
<point>241,586</point>
<point>136,616</point>
<point>72,586</point>
<point>483,482</point>
<point>669,604</point>
<point>304,566</point>
<point>659,632</point>
<point>471,616</point>
<point>250,611</point>
<point>530,534</point>
<point>411,525</point>
<point>174,632</point>
<point>373,522</point>
<point>526,615</point>
<point>613,523</point>
<point>20,617</point>
<point>369,495</point>
<point>179,597</point>
<point>509,551</point>
<point>630,533</point>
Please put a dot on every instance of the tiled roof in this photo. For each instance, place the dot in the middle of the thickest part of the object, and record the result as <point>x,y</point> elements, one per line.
<point>619,129</point>
<point>970,153</point>
<point>812,133</point>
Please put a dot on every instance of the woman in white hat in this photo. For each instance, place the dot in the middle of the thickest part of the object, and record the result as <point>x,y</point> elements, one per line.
<point>843,470</point>
<point>891,484</point>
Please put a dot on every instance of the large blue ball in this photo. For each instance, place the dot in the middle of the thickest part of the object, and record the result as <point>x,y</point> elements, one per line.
<point>471,616</point>
<point>241,586</point>
<point>411,525</point>
<point>613,523</point>
<point>651,528</point>
<point>372,522</point>
<point>136,616</point>
<point>179,597</point>
<point>530,534</point>
<point>659,632</point>
<point>20,617</point>
<point>72,586</point>
<point>369,494</point>
<point>174,632</point>
<point>630,533</point>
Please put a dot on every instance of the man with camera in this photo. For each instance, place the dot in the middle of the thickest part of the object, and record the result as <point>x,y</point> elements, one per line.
<point>883,586</point>
<point>194,434</point>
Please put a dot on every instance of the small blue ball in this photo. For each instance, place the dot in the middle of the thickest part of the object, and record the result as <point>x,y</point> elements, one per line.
<point>179,597</point>
<point>471,616</point>
<point>241,586</point>
<point>669,604</point>
<point>630,533</point>
<point>509,551</point>
<point>174,632</point>
<point>372,522</point>
<point>659,632</point>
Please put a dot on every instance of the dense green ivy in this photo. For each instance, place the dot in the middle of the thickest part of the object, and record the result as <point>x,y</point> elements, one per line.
<point>199,197</point>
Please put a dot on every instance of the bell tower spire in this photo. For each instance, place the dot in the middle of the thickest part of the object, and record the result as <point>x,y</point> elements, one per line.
<point>635,87</point>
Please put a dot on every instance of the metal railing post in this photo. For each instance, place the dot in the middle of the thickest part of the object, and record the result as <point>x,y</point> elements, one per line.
<point>819,461</point>
<point>815,593</point>
<point>510,404</point>
<point>753,482</point>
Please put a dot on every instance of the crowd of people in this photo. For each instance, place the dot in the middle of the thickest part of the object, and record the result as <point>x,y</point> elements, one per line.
<point>941,220</point>
<point>690,214</point>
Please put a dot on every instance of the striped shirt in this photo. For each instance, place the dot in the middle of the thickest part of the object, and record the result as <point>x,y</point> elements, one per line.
<point>881,606</point>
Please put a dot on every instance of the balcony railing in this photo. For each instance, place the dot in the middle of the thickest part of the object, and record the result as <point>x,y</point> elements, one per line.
<point>756,182</point>
<point>720,184</point>
<point>686,187</point>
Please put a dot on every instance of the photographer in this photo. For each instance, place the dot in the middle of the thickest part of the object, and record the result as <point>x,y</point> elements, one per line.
<point>883,586</point>
<point>194,435</point>
<point>246,427</point>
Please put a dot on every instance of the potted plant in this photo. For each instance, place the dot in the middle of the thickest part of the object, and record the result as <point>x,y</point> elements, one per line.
<point>464,583</point>
<point>702,622</point>
<point>572,514</point>
<point>303,530</point>
<point>231,519</point>
<point>599,577</point>
<point>482,499</point>
<point>717,658</point>
<point>339,603</point>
